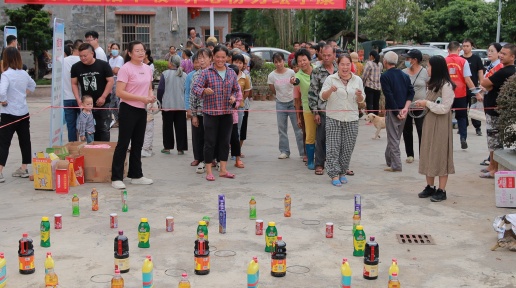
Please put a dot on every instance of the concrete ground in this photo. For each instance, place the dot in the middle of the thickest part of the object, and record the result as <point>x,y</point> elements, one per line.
<point>83,249</point>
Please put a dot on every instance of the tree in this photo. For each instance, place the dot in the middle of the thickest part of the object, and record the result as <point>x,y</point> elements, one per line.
<point>432,4</point>
<point>331,22</point>
<point>32,24</point>
<point>508,27</point>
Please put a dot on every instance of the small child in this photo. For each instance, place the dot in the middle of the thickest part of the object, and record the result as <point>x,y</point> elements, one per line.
<point>85,121</point>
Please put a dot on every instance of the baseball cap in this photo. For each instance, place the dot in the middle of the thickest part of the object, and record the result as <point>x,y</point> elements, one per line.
<point>414,53</point>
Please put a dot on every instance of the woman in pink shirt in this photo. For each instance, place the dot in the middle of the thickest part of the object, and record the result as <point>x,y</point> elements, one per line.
<point>134,87</point>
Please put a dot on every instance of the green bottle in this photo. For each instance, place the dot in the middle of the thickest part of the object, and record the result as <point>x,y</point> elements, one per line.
<point>202,228</point>
<point>271,235</point>
<point>75,206</point>
<point>252,209</point>
<point>45,232</point>
<point>124,201</point>
<point>359,241</point>
<point>144,234</point>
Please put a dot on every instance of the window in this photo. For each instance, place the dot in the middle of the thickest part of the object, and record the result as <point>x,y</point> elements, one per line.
<point>217,31</point>
<point>135,27</point>
<point>23,44</point>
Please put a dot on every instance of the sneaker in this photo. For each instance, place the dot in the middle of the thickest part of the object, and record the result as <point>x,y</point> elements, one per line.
<point>479,131</point>
<point>201,168</point>
<point>118,184</point>
<point>283,156</point>
<point>439,196</point>
<point>146,153</point>
<point>2,179</point>
<point>463,144</point>
<point>427,192</point>
<point>21,173</point>
<point>141,181</point>
<point>410,159</point>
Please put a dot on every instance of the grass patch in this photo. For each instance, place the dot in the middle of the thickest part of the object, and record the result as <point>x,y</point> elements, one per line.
<point>43,82</point>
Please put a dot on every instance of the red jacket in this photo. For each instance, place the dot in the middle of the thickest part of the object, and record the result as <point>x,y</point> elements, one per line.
<point>456,69</point>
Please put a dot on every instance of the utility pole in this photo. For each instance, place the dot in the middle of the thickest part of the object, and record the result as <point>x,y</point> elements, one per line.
<point>499,21</point>
<point>356,26</point>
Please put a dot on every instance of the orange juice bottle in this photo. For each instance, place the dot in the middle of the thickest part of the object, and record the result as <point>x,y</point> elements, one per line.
<point>288,206</point>
<point>117,281</point>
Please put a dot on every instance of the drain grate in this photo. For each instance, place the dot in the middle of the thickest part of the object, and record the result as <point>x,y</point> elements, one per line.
<point>421,239</point>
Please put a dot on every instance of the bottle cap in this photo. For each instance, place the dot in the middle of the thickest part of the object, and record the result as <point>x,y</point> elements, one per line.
<point>49,254</point>
<point>57,215</point>
<point>371,238</point>
<point>280,238</point>
<point>272,223</point>
<point>201,234</point>
<point>143,220</point>
<point>74,195</point>
<point>360,227</point>
<point>394,260</point>
<point>356,212</point>
<point>288,195</point>
<point>395,274</point>
<point>255,259</point>
<point>202,222</point>
<point>149,257</point>
<point>252,197</point>
<point>44,218</point>
<point>344,260</point>
<point>120,232</point>
<point>2,255</point>
<point>184,275</point>
<point>25,235</point>
<point>259,221</point>
<point>117,271</point>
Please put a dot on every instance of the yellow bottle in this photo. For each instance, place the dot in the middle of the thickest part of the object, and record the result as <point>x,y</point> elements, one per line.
<point>346,273</point>
<point>394,268</point>
<point>394,282</point>
<point>117,281</point>
<point>147,273</point>
<point>184,283</point>
<point>253,273</point>
<point>49,262</point>
<point>3,271</point>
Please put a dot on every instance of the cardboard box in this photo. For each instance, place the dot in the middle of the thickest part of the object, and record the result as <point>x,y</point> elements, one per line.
<point>60,151</point>
<point>44,172</point>
<point>78,167</point>
<point>62,177</point>
<point>505,188</point>
<point>74,147</point>
<point>97,162</point>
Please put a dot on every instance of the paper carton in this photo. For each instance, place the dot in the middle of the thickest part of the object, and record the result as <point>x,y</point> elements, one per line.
<point>78,167</point>
<point>97,162</point>
<point>505,188</point>
<point>62,177</point>
<point>44,173</point>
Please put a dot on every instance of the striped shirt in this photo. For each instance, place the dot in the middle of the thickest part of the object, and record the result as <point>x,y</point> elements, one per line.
<point>85,123</point>
<point>371,76</point>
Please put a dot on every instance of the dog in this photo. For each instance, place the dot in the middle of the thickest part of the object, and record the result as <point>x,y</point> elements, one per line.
<point>378,122</point>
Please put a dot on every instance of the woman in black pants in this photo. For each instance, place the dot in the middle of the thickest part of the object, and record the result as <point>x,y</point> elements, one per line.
<point>371,79</point>
<point>134,87</point>
<point>15,113</point>
<point>218,86</point>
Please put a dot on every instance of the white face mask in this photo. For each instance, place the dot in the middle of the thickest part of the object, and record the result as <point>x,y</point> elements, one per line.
<point>114,52</point>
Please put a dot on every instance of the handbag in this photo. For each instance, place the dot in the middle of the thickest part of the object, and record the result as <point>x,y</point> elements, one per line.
<point>476,111</point>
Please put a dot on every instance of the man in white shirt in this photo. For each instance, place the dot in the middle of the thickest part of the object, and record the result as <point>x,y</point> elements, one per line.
<point>69,101</point>
<point>92,37</point>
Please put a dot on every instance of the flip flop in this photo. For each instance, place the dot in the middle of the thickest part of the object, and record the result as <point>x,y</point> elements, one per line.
<point>336,183</point>
<point>319,170</point>
<point>239,164</point>
<point>485,162</point>
<point>350,173</point>
<point>227,175</point>
<point>486,176</point>
<point>165,151</point>
<point>210,177</point>
<point>484,170</point>
<point>343,179</point>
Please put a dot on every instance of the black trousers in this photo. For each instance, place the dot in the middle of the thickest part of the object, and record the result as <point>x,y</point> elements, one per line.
<point>217,134</point>
<point>372,100</point>
<point>22,129</point>
<point>320,141</point>
<point>235,141</point>
<point>198,140</point>
<point>174,120</point>
<point>102,123</point>
<point>132,123</point>
<point>243,128</point>
<point>408,137</point>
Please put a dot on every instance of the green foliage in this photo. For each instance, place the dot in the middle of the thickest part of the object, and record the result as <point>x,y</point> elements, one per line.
<point>508,27</point>
<point>507,104</point>
<point>159,67</point>
<point>259,76</point>
<point>331,22</point>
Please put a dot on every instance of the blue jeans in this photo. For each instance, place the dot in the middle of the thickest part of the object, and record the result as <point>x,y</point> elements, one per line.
<point>89,137</point>
<point>71,118</point>
<point>284,111</point>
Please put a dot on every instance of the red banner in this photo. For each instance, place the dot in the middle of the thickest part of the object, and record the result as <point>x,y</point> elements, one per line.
<point>256,4</point>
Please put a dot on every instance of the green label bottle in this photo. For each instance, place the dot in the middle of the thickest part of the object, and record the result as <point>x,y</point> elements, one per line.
<point>271,235</point>
<point>202,228</point>
<point>359,241</point>
<point>75,206</point>
<point>144,234</point>
<point>252,209</point>
<point>124,201</point>
<point>45,232</point>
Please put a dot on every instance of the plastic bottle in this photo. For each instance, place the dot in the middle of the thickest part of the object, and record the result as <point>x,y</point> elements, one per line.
<point>148,273</point>
<point>356,221</point>
<point>51,279</point>
<point>45,232</point>
<point>184,283</point>
<point>117,281</point>
<point>371,259</point>
<point>3,270</point>
<point>144,234</point>
<point>202,255</point>
<point>394,268</point>
<point>253,273</point>
<point>26,255</point>
<point>202,228</point>
<point>394,282</point>
<point>358,204</point>
<point>346,272</point>
<point>75,206</point>
<point>49,262</point>
<point>124,201</point>
<point>359,241</point>
<point>121,252</point>
<point>252,209</point>
<point>94,200</point>
<point>271,235</point>
<point>288,206</point>
<point>279,258</point>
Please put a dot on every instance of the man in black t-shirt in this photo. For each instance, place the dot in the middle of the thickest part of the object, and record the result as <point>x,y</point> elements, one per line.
<point>493,84</point>
<point>95,78</point>
<point>477,74</point>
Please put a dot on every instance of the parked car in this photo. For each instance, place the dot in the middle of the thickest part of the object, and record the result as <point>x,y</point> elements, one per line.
<point>440,45</point>
<point>266,52</point>
<point>402,49</point>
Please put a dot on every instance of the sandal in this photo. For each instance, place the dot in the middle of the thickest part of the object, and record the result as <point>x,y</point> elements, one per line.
<point>484,170</point>
<point>486,176</point>
<point>227,175</point>
<point>343,179</point>
<point>305,159</point>
<point>350,173</point>
<point>210,177</point>
<point>195,163</point>
<point>165,151</point>
<point>239,164</point>
<point>485,162</point>
<point>336,183</point>
<point>319,170</point>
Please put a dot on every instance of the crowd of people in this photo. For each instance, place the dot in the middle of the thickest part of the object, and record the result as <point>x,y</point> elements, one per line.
<point>323,91</point>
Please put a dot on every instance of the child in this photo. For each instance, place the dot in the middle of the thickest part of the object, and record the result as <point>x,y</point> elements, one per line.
<point>245,86</point>
<point>234,142</point>
<point>85,121</point>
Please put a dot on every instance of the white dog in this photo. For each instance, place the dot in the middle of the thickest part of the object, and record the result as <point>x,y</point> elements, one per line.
<point>378,122</point>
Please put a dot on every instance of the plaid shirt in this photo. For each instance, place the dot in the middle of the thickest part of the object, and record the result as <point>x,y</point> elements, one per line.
<point>217,103</point>
<point>316,82</point>
<point>371,76</point>
<point>85,123</point>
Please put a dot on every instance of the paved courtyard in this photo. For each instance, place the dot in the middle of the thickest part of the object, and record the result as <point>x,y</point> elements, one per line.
<point>83,249</point>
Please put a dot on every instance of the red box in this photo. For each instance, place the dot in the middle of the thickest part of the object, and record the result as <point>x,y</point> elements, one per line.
<point>78,166</point>
<point>62,181</point>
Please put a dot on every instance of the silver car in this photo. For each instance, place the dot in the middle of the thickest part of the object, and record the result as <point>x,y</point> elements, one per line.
<point>266,52</point>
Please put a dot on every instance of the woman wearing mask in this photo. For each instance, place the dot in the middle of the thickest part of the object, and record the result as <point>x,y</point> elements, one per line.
<point>116,62</point>
<point>371,78</point>
<point>418,77</point>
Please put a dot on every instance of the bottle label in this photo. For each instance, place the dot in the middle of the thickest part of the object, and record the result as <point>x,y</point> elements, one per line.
<point>359,242</point>
<point>346,282</point>
<point>202,263</point>
<point>45,235</point>
<point>252,280</point>
<point>279,265</point>
<point>147,280</point>
<point>3,274</point>
<point>26,263</point>
<point>270,239</point>
<point>371,270</point>
<point>122,264</point>
<point>143,235</point>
